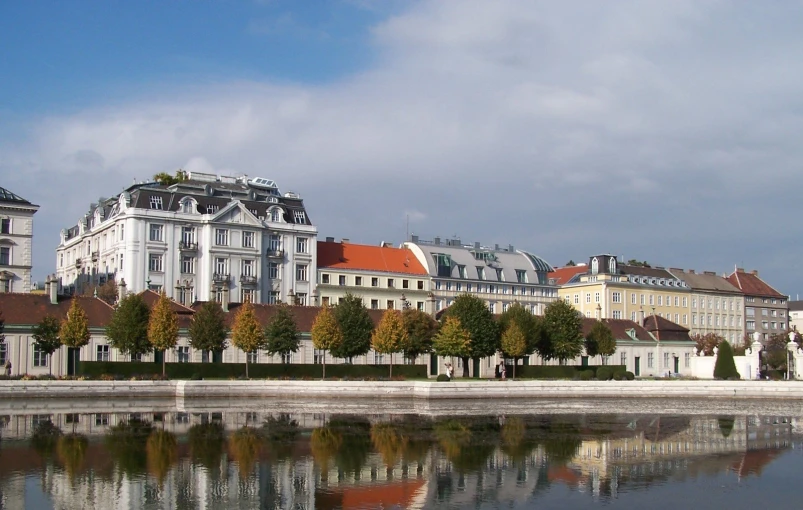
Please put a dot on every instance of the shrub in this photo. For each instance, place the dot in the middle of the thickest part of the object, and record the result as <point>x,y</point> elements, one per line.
<point>585,375</point>
<point>443,378</point>
<point>605,373</point>
<point>196,377</point>
<point>629,375</point>
<point>555,371</point>
<point>725,368</point>
<point>618,375</point>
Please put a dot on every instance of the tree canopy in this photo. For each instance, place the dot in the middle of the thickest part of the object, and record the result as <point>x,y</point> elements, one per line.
<point>600,340</point>
<point>163,326</point>
<point>107,292</point>
<point>528,324</point>
<point>208,328</point>
<point>476,319</point>
<point>514,343</point>
<point>46,335</point>
<point>706,343</point>
<point>165,179</point>
<point>326,333</point>
<point>246,333</point>
<point>74,330</point>
<point>724,366</point>
<point>281,333</point>
<point>452,339</point>
<point>564,333</point>
<point>128,328</point>
<point>355,324</point>
<point>421,328</point>
<point>390,335</point>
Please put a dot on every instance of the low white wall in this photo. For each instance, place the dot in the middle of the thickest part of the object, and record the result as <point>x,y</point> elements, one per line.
<point>401,390</point>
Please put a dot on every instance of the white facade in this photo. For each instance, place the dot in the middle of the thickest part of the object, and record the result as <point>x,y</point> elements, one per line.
<point>194,239</point>
<point>16,239</point>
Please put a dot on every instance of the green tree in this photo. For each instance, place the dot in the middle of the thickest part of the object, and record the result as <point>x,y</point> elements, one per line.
<point>126,443</point>
<point>452,339</point>
<point>46,337</point>
<point>725,367</point>
<point>563,328</point>
<point>208,328</point>
<point>638,263</point>
<point>421,328</point>
<point>163,327</point>
<point>706,343</point>
<point>165,179</point>
<point>44,438</point>
<point>478,321</point>
<point>571,263</point>
<point>127,330</point>
<point>390,335</point>
<point>528,324</point>
<point>356,324</point>
<point>326,334</point>
<point>246,333</point>
<point>514,343</point>
<point>281,334</point>
<point>600,341</point>
<point>206,442</point>
<point>74,329</point>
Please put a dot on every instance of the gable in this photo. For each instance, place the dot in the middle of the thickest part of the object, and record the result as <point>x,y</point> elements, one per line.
<point>237,213</point>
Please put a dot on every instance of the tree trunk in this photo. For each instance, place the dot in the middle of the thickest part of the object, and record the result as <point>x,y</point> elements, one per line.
<point>323,377</point>
<point>514,369</point>
<point>465,366</point>
<point>246,365</point>
<point>50,364</point>
<point>164,363</point>
<point>391,365</point>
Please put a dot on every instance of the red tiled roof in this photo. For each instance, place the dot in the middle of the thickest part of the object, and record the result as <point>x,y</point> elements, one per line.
<point>664,329</point>
<point>562,275</point>
<point>619,329</point>
<point>150,298</point>
<point>368,258</point>
<point>751,284</point>
<point>30,309</point>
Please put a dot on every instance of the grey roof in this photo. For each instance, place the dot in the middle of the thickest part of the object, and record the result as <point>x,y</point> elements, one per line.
<point>705,281</point>
<point>795,306</point>
<point>500,265</point>
<point>8,196</point>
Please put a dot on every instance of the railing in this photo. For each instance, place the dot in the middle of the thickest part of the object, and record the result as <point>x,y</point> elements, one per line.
<point>187,246</point>
<point>275,253</point>
<point>95,256</point>
<point>78,263</point>
<point>247,279</point>
<point>221,278</point>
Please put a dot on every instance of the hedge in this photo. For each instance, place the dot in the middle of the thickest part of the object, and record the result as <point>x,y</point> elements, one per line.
<point>559,371</point>
<point>255,370</point>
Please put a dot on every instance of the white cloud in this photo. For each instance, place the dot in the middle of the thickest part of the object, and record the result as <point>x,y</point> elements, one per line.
<point>516,119</point>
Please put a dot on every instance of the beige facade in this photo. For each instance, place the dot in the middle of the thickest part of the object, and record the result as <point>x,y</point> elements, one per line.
<point>379,291</point>
<point>16,242</point>
<point>715,306</point>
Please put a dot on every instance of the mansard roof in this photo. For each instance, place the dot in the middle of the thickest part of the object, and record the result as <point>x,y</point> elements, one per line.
<point>7,196</point>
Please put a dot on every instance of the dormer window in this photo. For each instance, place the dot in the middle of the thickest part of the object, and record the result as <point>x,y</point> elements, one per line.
<point>211,209</point>
<point>299,217</point>
<point>156,202</point>
<point>594,266</point>
<point>612,265</point>
<point>275,215</point>
<point>186,206</point>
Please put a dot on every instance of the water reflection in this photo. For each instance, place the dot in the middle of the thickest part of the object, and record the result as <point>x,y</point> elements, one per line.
<point>228,458</point>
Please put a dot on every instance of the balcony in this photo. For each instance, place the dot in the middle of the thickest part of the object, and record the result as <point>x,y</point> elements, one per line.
<point>187,246</point>
<point>275,253</point>
<point>247,279</point>
<point>78,263</point>
<point>221,278</point>
<point>95,256</point>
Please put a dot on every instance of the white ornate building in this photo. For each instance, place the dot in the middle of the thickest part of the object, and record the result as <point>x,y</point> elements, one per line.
<point>16,236</point>
<point>197,240</point>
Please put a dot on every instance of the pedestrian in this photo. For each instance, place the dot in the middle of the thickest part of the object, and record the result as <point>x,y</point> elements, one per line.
<point>7,366</point>
<point>503,370</point>
<point>449,371</point>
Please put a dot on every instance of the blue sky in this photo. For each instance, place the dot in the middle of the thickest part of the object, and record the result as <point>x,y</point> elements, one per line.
<point>656,130</point>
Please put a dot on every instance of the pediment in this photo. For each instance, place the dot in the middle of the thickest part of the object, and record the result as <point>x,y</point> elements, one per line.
<point>236,212</point>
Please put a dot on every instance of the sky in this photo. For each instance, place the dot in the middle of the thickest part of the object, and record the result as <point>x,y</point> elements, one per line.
<point>665,131</point>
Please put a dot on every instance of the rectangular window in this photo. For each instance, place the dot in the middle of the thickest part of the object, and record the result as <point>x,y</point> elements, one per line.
<point>222,236</point>
<point>247,295</point>
<point>588,297</point>
<point>650,361</point>
<point>122,232</point>
<point>273,270</point>
<point>392,284</point>
<point>666,360</point>
<point>616,297</point>
<point>577,299</point>
<point>325,278</point>
<point>521,276</point>
<point>391,304</point>
<point>156,232</point>
<point>374,304</point>
<point>687,360</point>
<point>121,262</point>
<point>5,226</point>
<point>749,311</point>
<point>301,298</point>
<point>39,357</point>
<point>420,285</point>
<point>461,271</point>
<point>156,202</point>
<point>677,318</point>
<point>633,316</point>
<point>677,301</point>
<point>685,319</point>
<point>274,243</point>
<point>221,266</point>
<point>248,239</point>
<point>301,272</point>
<point>374,282</point>
<point>406,284</point>
<point>247,268</point>
<point>660,301</point>
<point>103,353</point>
<point>751,325</point>
<point>652,299</point>
<point>187,264</point>
<point>623,358</point>
<point>212,208</point>
<point>302,245</point>
<point>358,281</point>
<point>685,302</point>
<point>341,280</point>
<point>155,262</point>
<point>480,273</point>
<point>694,302</point>
<point>273,297</point>
<point>3,353</point>
<point>617,314</point>
<point>253,357</point>
<point>642,300</point>
<point>317,356</point>
<point>633,298</point>
<point>299,217</point>
<point>419,305</point>
<point>183,353</point>
<point>5,256</point>
<point>596,297</point>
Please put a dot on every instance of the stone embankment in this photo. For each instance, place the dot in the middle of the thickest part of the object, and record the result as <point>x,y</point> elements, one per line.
<point>424,390</point>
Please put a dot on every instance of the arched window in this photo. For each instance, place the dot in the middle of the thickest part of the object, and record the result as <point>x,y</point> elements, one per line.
<point>275,215</point>
<point>612,265</point>
<point>187,206</point>
<point>594,266</point>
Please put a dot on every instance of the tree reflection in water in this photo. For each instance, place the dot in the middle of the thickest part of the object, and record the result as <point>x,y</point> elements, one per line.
<point>71,450</point>
<point>280,435</point>
<point>45,438</point>
<point>245,445</point>
<point>324,443</point>
<point>162,452</point>
<point>207,442</point>
<point>467,442</point>
<point>126,444</point>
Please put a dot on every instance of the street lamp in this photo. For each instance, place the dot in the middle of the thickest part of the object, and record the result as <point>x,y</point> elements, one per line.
<point>790,355</point>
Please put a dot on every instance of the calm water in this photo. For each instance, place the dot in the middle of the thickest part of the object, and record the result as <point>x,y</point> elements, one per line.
<point>313,455</point>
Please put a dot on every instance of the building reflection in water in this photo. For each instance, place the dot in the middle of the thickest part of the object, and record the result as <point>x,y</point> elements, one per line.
<point>315,461</point>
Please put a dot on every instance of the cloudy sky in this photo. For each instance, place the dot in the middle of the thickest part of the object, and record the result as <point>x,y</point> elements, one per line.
<point>667,131</point>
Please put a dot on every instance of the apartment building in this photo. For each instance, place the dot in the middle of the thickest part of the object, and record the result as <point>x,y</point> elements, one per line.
<point>766,311</point>
<point>16,238</point>
<point>500,276</point>
<point>715,305</point>
<point>384,277</point>
<point>196,240</point>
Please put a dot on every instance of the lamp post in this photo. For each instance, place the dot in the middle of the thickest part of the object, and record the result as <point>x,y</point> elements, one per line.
<point>790,356</point>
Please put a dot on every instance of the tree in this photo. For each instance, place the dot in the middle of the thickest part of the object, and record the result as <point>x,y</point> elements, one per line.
<point>638,263</point>
<point>46,337</point>
<point>281,334</point>
<point>452,339</point>
<point>165,179</point>
<point>107,292</point>
<point>706,343</point>
<point>514,343</point>
<point>246,333</point>
<point>74,330</point>
<point>528,324</point>
<point>724,367</point>
<point>390,335</point>
<point>128,328</point>
<point>600,341</point>
<point>478,321</point>
<point>571,263</point>
<point>421,327</point>
<point>163,326</point>
<point>563,328</point>
<point>208,328</point>
<point>326,333</point>
<point>356,325</point>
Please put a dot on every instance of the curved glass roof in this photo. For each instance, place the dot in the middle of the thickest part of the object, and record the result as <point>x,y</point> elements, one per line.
<point>538,263</point>
<point>7,196</point>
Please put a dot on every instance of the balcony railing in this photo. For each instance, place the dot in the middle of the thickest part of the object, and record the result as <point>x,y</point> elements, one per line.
<point>95,256</point>
<point>248,279</point>
<point>187,246</point>
<point>78,263</point>
<point>275,253</point>
<point>221,278</point>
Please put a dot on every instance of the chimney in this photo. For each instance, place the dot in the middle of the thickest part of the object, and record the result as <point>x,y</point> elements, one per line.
<point>345,240</point>
<point>330,239</point>
<point>496,247</point>
<point>740,270</point>
<point>121,290</point>
<point>53,289</point>
<point>414,239</point>
<point>457,242</point>
<point>691,271</point>
<point>710,273</point>
<point>224,300</point>
<point>476,245</point>
<point>754,272</point>
<point>437,241</point>
<point>510,248</point>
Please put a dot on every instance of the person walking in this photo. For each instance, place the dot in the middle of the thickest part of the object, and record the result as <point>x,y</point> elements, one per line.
<point>7,366</point>
<point>503,370</point>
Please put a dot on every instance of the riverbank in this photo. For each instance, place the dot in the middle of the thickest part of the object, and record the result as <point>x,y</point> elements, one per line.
<point>393,390</point>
